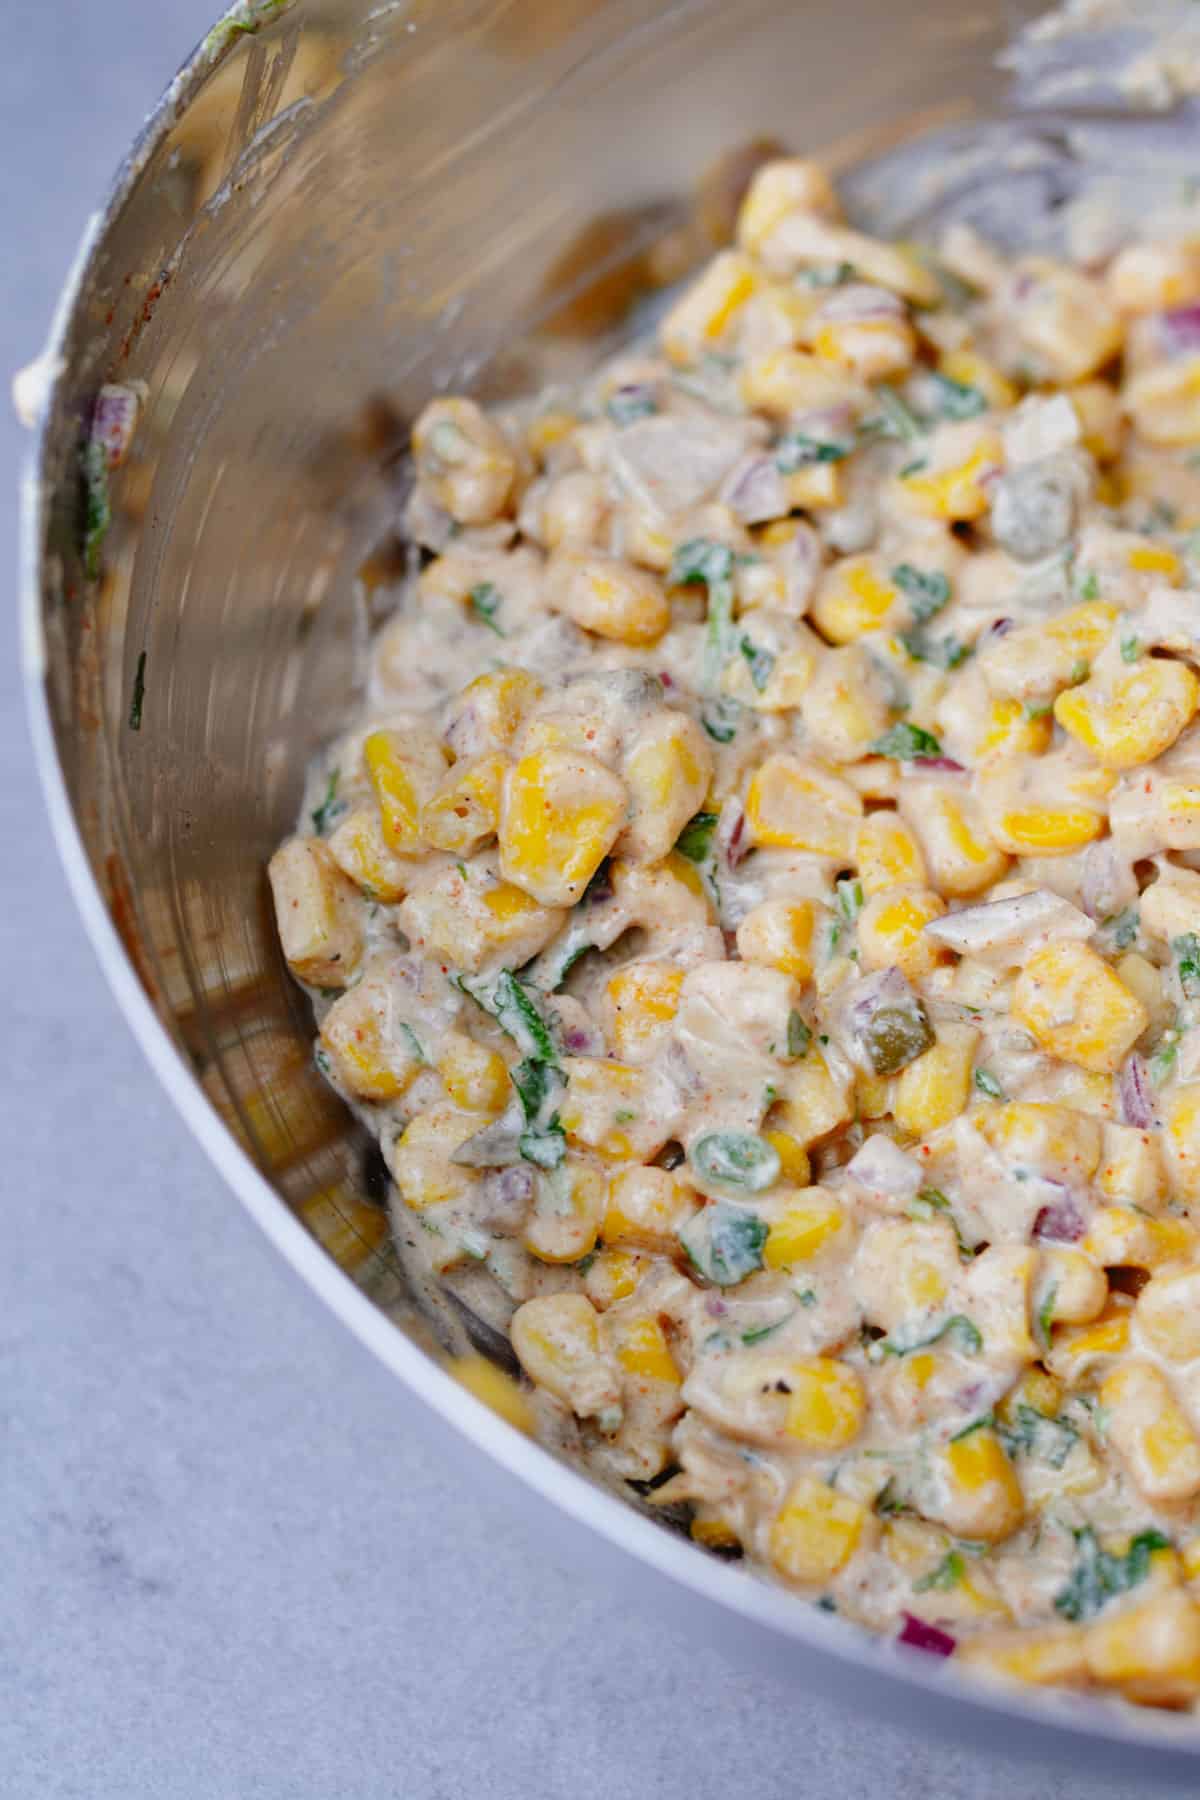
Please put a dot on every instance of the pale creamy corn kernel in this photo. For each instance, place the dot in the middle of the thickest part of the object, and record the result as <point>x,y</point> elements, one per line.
<point>812,1104</point>
<point>646,1209</point>
<point>853,597</point>
<point>667,771</point>
<point>1034,662</point>
<point>871,349</point>
<point>491,710</point>
<point>1035,1388</point>
<point>782,382</point>
<point>978,1493</point>
<point>971,369</point>
<point>475,1077</point>
<point>1063,319</point>
<point>1150,1651</point>
<point>904,1270</point>
<point>464,460</point>
<point>1167,1314</point>
<point>1177,812</point>
<point>465,811</point>
<point>1119,1237</point>
<point>1163,401</point>
<point>1009,730</point>
<point>1154,277</point>
<point>815,486</point>
<point>1080,1351</point>
<point>563,1223</point>
<point>702,317</point>
<point>1073,1289</point>
<point>557,1341</point>
<point>779,934</point>
<point>613,1275</point>
<point>1170,906</point>
<point>640,1000</point>
<point>957,493</point>
<point>1048,1656</point>
<point>361,851</point>
<point>374,1057</point>
<point>786,185</point>
<point>609,597</point>
<point>888,855</point>
<point>1151,1433</point>
<point>827,1405</point>
<point>959,852</point>
<point>815,1532</point>
<point>800,1225</point>
<point>1181,1141</point>
<point>606,1108</point>
<point>935,1086</point>
<point>796,805</point>
<point>421,1158</point>
<point>317,913</point>
<point>845,706</point>
<point>1076,1008</point>
<point>575,512</point>
<point>549,429</point>
<point>1131,1169</point>
<point>561,815</point>
<point>1131,717</point>
<point>891,931</point>
<point>1058,1143</point>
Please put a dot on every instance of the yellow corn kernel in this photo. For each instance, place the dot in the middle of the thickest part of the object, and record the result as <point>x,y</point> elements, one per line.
<point>606,1108</point>
<point>853,598</point>
<point>888,855</point>
<point>564,1221</point>
<point>1050,1657</point>
<point>647,1208</point>
<point>799,1226</point>
<point>547,430</point>
<point>1156,559</point>
<point>1132,717</point>
<point>401,785</point>
<point>641,1348</point>
<point>1063,319</point>
<point>1099,413</point>
<point>891,931</point>
<point>785,185</point>
<point>1077,1350</point>
<point>1056,1142</point>
<point>904,1270</point>
<point>317,913</point>
<point>1155,277</point>
<point>494,1387</point>
<point>700,318</point>
<point>491,710</point>
<point>961,856</point>
<point>514,917</point>
<point>846,705</point>
<point>1151,1433</point>
<point>1163,401</point>
<point>1035,1389</point>
<point>667,772</point>
<point>934,1088</point>
<point>360,850</point>
<point>609,597</point>
<point>813,486</point>
<point>371,1060</point>
<point>463,459</point>
<point>1151,1651</point>
<point>872,1095</point>
<point>1046,830</point>
<point>1177,813</point>
<point>827,1404</point>
<point>1010,731</point>
<point>1168,1314</point>
<point>779,935</point>
<point>713,1533</point>
<point>420,1159</point>
<point>975,371</point>
<point>782,382</point>
<point>871,349</point>
<point>957,493</point>
<point>1131,1168</point>
<point>561,815</point>
<point>981,1496</point>
<point>475,1077</point>
<point>795,805</point>
<point>641,1000</point>
<point>557,1341</point>
<point>1076,1008</point>
<point>613,1276</point>
<point>1189,1560</point>
<point>815,1532</point>
<point>465,811</point>
<point>793,1157</point>
<point>1035,661</point>
<point>1120,1238</point>
<point>812,1104</point>
<point>1073,1287</point>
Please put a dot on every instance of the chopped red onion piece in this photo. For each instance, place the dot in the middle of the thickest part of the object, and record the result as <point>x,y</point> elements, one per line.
<point>999,628</point>
<point>1137,1094</point>
<point>755,492</point>
<point>714,1306</point>
<point>945,763</point>
<point>1062,1221</point>
<point>1179,330</point>
<point>882,1167</point>
<point>114,421</point>
<point>731,833</point>
<point>922,1636</point>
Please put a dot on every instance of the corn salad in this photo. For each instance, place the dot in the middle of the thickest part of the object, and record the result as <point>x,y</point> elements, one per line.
<point>759,916</point>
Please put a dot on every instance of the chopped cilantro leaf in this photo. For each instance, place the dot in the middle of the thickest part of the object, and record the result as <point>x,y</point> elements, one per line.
<point>904,741</point>
<point>926,590</point>
<point>485,600</point>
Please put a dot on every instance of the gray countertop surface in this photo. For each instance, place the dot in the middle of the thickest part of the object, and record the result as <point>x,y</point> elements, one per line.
<point>229,1571</point>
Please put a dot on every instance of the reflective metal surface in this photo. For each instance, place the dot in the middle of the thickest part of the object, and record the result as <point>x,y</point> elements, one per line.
<point>327,218</point>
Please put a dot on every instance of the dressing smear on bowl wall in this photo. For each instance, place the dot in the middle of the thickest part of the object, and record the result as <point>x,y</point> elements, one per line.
<point>759,915</point>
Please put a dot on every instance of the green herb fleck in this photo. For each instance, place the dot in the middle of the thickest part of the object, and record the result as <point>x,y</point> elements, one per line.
<point>807,1297</point>
<point>926,590</point>
<point>757,1333</point>
<point>957,1329</point>
<point>798,450</point>
<point>1079,672</point>
<point>1037,709</point>
<point>947,653</point>
<point>985,1419</point>
<point>139,694</point>
<point>1045,1317</point>
<point>760,662</point>
<point>849,897</point>
<point>1125,927</point>
<point>724,1243</point>
<point>1099,1575</point>
<point>1032,1433</point>
<point>987,1084</point>
<point>956,399</point>
<point>410,1037</point>
<point>904,742</point>
<point>721,718</point>
<point>895,419</point>
<point>485,601</point>
<point>1131,649</point>
<point>799,1037</point>
<point>1186,950</point>
<point>330,807</point>
<point>948,1574</point>
<point>695,840</point>
<point>1089,585</point>
<point>736,1159</point>
<point>630,403</point>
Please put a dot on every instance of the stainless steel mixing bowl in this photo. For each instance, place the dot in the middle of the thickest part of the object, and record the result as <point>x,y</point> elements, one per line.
<point>339,206</point>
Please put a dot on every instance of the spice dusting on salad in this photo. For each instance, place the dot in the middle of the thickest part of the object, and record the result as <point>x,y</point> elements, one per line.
<point>759,916</point>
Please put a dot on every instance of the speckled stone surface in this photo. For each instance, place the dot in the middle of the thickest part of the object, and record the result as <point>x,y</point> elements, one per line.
<point>227,1570</point>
